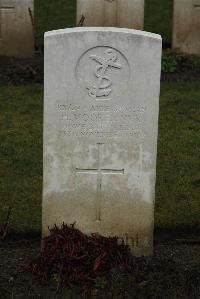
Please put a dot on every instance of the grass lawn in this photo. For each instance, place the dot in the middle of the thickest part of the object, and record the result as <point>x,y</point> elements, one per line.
<point>158,18</point>
<point>53,14</point>
<point>178,179</point>
<point>21,155</point>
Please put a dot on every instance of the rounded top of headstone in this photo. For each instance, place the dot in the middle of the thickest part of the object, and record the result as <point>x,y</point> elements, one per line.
<point>102,29</point>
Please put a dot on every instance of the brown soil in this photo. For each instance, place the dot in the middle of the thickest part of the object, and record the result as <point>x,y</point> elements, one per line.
<point>21,71</point>
<point>174,266</point>
<point>24,71</point>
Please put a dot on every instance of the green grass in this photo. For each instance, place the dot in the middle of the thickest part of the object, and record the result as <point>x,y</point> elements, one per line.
<point>53,14</point>
<point>158,18</point>
<point>21,155</point>
<point>178,178</point>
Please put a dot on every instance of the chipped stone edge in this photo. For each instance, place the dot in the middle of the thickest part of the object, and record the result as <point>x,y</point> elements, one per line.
<point>102,29</point>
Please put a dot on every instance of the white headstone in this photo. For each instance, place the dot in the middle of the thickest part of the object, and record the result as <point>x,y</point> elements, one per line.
<point>111,13</point>
<point>186,26</point>
<point>16,28</point>
<point>100,131</point>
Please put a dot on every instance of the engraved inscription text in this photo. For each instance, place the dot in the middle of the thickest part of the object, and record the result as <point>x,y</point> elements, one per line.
<point>103,121</point>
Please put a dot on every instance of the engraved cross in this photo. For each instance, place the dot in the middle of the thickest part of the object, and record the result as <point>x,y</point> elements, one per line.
<point>99,171</point>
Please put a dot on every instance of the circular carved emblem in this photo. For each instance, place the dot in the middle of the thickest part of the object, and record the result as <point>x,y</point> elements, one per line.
<point>103,72</point>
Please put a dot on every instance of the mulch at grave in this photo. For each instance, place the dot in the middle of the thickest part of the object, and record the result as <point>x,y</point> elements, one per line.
<point>173,271</point>
<point>25,71</point>
<point>76,259</point>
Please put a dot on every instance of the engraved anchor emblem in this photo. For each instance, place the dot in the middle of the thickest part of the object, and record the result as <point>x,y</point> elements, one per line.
<point>103,87</point>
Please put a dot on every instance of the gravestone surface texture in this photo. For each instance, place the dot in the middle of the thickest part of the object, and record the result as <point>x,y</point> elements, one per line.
<point>112,13</point>
<point>16,28</point>
<point>186,26</point>
<point>100,131</point>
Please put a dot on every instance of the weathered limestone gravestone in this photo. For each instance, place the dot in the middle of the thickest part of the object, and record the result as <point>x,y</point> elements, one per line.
<point>111,13</point>
<point>100,131</point>
<point>186,26</point>
<point>16,28</point>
